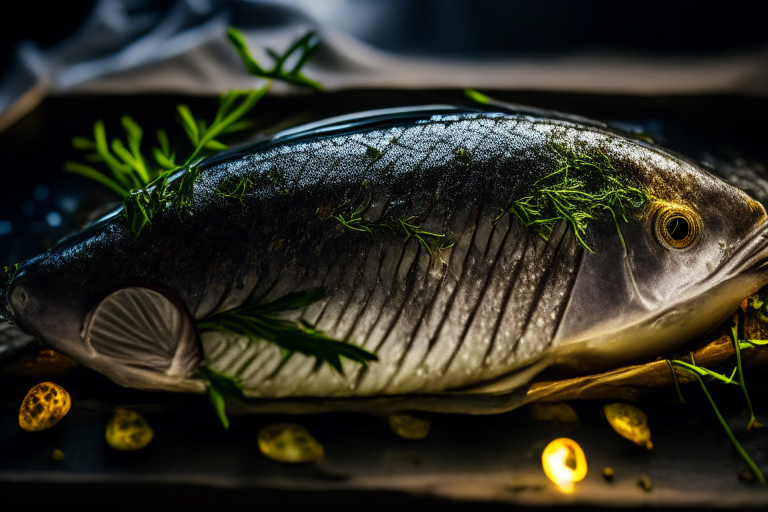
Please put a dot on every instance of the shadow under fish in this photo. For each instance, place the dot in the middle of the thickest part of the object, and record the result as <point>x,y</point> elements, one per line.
<point>432,258</point>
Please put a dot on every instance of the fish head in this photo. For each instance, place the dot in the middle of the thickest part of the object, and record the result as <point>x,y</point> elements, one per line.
<point>137,335</point>
<point>683,263</point>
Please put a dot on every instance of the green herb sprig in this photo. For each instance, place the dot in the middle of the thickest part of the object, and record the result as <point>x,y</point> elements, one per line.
<point>262,322</point>
<point>220,387</point>
<point>583,184</point>
<point>303,49</point>
<point>144,182</point>
<point>698,372</point>
<point>404,228</point>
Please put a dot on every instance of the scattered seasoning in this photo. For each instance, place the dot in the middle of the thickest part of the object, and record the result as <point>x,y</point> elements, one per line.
<point>629,422</point>
<point>43,407</point>
<point>57,455</point>
<point>409,427</point>
<point>608,474</point>
<point>128,431</point>
<point>644,482</point>
<point>290,443</point>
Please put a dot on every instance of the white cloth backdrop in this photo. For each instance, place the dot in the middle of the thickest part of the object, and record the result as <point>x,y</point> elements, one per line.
<point>125,47</point>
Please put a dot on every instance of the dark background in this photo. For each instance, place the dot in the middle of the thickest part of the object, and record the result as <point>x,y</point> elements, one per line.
<point>482,28</point>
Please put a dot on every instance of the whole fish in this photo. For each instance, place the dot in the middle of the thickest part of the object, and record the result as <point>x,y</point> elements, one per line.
<point>467,249</point>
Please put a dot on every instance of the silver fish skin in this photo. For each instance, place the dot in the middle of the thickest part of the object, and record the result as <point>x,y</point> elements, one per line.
<point>461,329</point>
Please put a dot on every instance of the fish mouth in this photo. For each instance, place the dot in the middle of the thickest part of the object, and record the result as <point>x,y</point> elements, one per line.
<point>749,258</point>
<point>704,307</point>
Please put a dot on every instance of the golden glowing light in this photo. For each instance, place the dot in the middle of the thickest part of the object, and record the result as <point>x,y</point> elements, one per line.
<point>128,431</point>
<point>43,407</point>
<point>564,463</point>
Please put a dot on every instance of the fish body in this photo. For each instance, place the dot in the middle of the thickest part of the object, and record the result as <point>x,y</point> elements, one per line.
<point>414,225</point>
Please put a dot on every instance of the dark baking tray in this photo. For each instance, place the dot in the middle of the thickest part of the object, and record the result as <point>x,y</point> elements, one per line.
<point>479,461</point>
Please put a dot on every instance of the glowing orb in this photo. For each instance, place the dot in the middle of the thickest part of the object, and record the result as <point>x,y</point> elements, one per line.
<point>43,407</point>
<point>564,463</point>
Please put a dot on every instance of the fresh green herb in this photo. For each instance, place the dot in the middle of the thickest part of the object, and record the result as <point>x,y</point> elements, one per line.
<point>235,188</point>
<point>232,107</point>
<point>737,329</point>
<point>477,96</point>
<point>146,186</point>
<point>699,372</point>
<point>583,184</point>
<point>374,153</point>
<point>221,387</point>
<point>303,50</point>
<point>9,270</point>
<point>404,229</point>
<point>462,156</point>
<point>262,322</point>
<point>141,205</point>
<point>744,455</point>
<point>126,165</point>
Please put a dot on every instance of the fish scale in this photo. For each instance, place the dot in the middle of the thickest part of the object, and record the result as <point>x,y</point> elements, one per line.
<point>415,357</point>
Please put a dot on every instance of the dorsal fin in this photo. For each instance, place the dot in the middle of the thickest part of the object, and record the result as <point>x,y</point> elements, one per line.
<point>493,105</point>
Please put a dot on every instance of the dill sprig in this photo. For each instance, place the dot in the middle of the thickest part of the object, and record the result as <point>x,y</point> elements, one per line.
<point>698,372</point>
<point>404,228</point>
<point>235,188</point>
<point>262,322</point>
<point>583,185</point>
<point>303,49</point>
<point>144,182</point>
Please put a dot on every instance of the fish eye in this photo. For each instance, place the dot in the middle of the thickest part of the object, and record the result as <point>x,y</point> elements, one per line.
<point>677,227</point>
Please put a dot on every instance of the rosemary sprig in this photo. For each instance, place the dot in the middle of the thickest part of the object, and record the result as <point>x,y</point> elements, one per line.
<point>261,322</point>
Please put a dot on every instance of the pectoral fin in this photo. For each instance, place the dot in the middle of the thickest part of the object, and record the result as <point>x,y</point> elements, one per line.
<point>146,329</point>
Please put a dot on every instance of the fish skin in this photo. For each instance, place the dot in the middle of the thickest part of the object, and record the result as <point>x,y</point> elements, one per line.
<point>504,306</point>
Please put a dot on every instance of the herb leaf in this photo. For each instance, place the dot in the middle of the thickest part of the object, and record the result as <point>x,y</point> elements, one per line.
<point>146,189</point>
<point>259,322</point>
<point>404,229</point>
<point>698,372</point>
<point>221,387</point>
<point>304,48</point>
<point>582,185</point>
